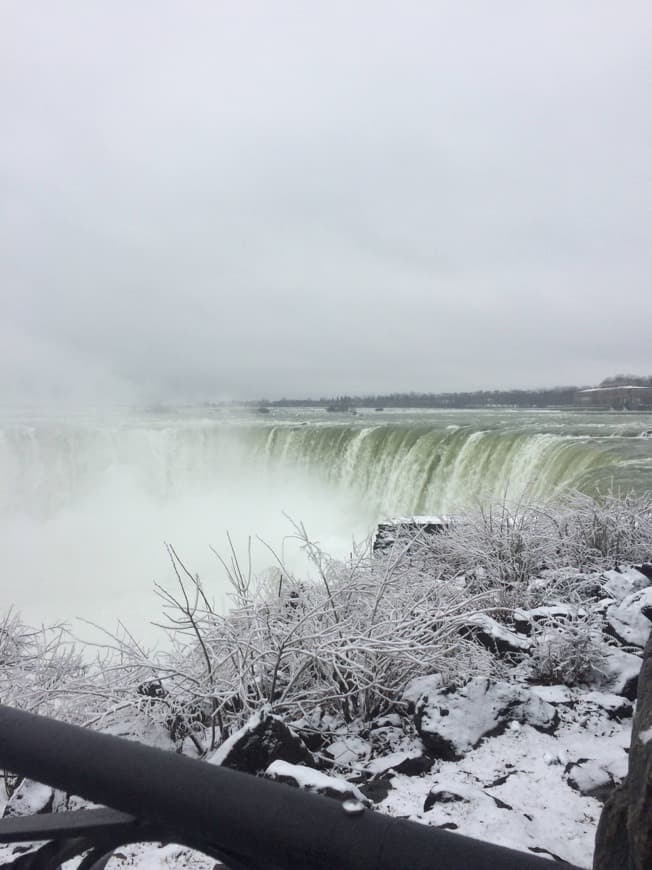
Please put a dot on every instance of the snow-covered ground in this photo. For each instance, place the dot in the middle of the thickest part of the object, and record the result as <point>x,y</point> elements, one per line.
<point>521,755</point>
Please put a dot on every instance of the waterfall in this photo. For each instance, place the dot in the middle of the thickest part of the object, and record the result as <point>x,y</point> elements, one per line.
<point>87,504</point>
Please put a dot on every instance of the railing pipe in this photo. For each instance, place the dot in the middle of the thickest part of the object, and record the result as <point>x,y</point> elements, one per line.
<point>262,824</point>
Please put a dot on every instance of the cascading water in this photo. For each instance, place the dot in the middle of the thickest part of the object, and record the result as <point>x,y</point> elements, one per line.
<point>419,469</point>
<point>86,504</point>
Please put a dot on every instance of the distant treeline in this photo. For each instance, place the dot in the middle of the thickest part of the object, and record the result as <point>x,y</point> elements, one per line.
<point>552,397</point>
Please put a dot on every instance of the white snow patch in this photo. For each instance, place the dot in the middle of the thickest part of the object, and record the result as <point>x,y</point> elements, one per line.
<point>312,780</point>
<point>348,749</point>
<point>645,736</point>
<point>422,686</point>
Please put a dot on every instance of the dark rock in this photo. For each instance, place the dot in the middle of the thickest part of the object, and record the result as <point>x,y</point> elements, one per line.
<point>153,689</point>
<point>441,796</point>
<point>500,804</point>
<point>376,789</point>
<point>264,739</point>
<point>453,721</point>
<point>501,780</point>
<point>624,836</point>
<point>390,720</point>
<point>417,766</point>
<point>539,850</point>
<point>522,623</point>
<point>645,568</point>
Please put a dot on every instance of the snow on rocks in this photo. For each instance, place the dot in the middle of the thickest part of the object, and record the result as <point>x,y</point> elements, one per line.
<point>630,619</point>
<point>544,613</point>
<point>618,673</point>
<point>615,706</point>
<point>420,686</point>
<point>315,781</point>
<point>452,721</point>
<point>623,582</point>
<point>596,777</point>
<point>495,637</point>
<point>348,750</point>
<point>262,740</point>
<point>30,798</point>
<point>409,763</point>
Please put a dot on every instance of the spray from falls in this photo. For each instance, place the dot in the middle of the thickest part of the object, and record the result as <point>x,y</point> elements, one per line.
<point>86,506</point>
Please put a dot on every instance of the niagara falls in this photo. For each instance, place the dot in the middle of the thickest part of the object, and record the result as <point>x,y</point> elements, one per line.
<point>89,500</point>
<point>325,435</point>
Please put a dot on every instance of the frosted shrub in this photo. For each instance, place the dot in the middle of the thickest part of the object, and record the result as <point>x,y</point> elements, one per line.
<point>502,548</point>
<point>37,666</point>
<point>567,651</point>
<point>495,548</point>
<point>606,530</point>
<point>345,645</point>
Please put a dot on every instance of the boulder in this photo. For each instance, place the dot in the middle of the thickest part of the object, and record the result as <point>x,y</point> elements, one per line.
<point>624,836</point>
<point>441,796</point>
<point>452,721</point>
<point>629,621</point>
<point>623,582</point>
<point>597,778</point>
<point>29,799</point>
<point>497,638</point>
<point>314,781</point>
<point>376,790</point>
<point>262,740</point>
<point>615,706</point>
<point>618,674</point>
<point>645,568</point>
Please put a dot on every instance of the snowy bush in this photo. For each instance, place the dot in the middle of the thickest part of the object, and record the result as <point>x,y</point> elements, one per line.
<point>567,649</point>
<point>37,666</point>
<point>606,530</point>
<point>346,645</point>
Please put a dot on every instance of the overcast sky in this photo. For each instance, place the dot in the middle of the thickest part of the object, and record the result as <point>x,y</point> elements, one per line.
<point>226,198</point>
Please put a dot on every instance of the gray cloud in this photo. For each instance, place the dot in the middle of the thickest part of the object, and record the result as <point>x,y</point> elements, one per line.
<point>220,198</point>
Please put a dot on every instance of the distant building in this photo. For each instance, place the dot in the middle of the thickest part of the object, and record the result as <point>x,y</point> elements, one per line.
<point>624,397</point>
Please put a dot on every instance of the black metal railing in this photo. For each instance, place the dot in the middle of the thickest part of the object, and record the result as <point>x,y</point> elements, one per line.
<point>246,822</point>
